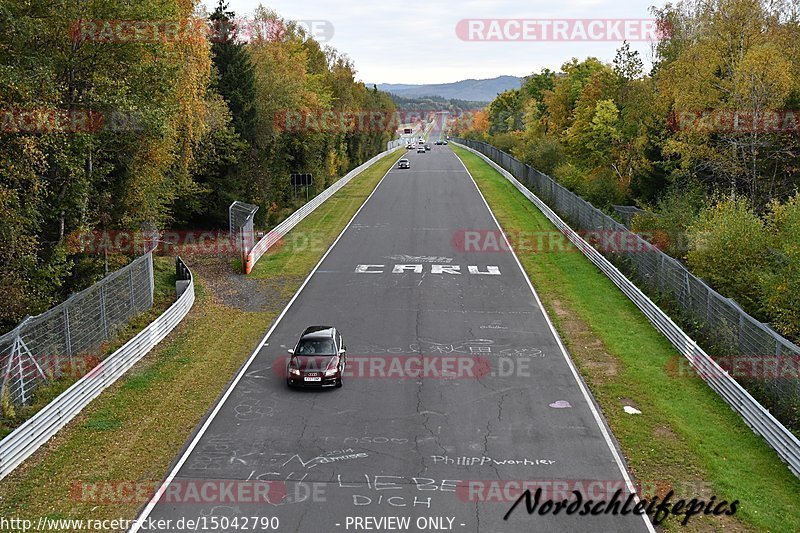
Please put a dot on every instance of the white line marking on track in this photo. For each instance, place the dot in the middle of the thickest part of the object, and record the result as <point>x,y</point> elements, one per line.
<point>151,505</point>
<point>595,413</point>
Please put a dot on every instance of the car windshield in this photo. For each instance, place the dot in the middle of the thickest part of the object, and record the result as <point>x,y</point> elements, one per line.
<point>316,347</point>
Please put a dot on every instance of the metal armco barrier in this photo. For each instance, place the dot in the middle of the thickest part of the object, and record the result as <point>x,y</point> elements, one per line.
<point>26,439</point>
<point>279,231</point>
<point>754,414</point>
<point>39,348</point>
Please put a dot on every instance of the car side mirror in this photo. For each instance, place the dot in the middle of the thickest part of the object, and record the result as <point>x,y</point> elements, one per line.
<point>291,351</point>
<point>342,351</point>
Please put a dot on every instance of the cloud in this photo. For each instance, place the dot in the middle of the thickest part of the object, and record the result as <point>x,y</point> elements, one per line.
<point>409,42</point>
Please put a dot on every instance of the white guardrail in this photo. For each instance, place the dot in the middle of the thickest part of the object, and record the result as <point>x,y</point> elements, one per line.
<point>26,439</point>
<point>279,231</point>
<point>754,414</point>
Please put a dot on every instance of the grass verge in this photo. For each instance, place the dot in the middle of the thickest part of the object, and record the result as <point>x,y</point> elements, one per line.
<point>163,296</point>
<point>132,432</point>
<point>686,438</point>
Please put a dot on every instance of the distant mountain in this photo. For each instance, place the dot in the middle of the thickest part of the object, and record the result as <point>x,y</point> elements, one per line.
<point>475,90</point>
<point>436,103</point>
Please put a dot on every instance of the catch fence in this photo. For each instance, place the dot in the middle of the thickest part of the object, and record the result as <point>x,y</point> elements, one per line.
<point>58,341</point>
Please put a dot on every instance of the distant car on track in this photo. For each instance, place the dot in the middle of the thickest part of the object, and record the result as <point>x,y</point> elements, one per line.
<point>318,359</point>
<point>420,149</point>
<point>404,163</point>
<point>427,147</point>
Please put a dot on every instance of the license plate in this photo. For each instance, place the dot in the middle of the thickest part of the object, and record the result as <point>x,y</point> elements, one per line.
<point>313,379</point>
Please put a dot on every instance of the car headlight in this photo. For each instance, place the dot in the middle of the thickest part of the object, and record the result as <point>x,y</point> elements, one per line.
<point>332,368</point>
<point>294,371</point>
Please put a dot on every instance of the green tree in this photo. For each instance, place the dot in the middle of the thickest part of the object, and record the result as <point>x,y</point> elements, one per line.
<point>235,80</point>
<point>537,85</point>
<point>568,88</point>
<point>727,248</point>
<point>627,63</point>
<point>505,112</point>
<point>780,283</point>
<point>152,97</point>
<point>731,63</point>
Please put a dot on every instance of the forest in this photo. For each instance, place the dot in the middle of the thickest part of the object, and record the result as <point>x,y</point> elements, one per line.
<point>705,143</point>
<point>130,116</point>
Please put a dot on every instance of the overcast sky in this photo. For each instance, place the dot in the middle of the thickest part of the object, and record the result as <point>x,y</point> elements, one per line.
<point>416,42</point>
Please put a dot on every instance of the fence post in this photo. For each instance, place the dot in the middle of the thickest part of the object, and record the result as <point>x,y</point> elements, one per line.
<point>243,250</point>
<point>103,310</point>
<point>740,337</point>
<point>19,366</point>
<point>130,290</point>
<point>688,289</point>
<point>7,370</point>
<point>18,350</point>
<point>150,279</point>
<point>576,211</point>
<point>67,335</point>
<point>230,221</point>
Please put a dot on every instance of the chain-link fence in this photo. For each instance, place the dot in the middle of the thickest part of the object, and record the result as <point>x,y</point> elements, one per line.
<point>628,212</point>
<point>241,228</point>
<point>731,331</point>
<point>61,340</point>
<point>23,442</point>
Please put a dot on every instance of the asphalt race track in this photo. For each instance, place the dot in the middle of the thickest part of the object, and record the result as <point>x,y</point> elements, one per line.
<point>457,389</point>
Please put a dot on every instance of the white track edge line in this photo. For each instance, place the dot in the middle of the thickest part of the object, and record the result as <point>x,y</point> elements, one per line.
<point>581,385</point>
<point>157,496</point>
